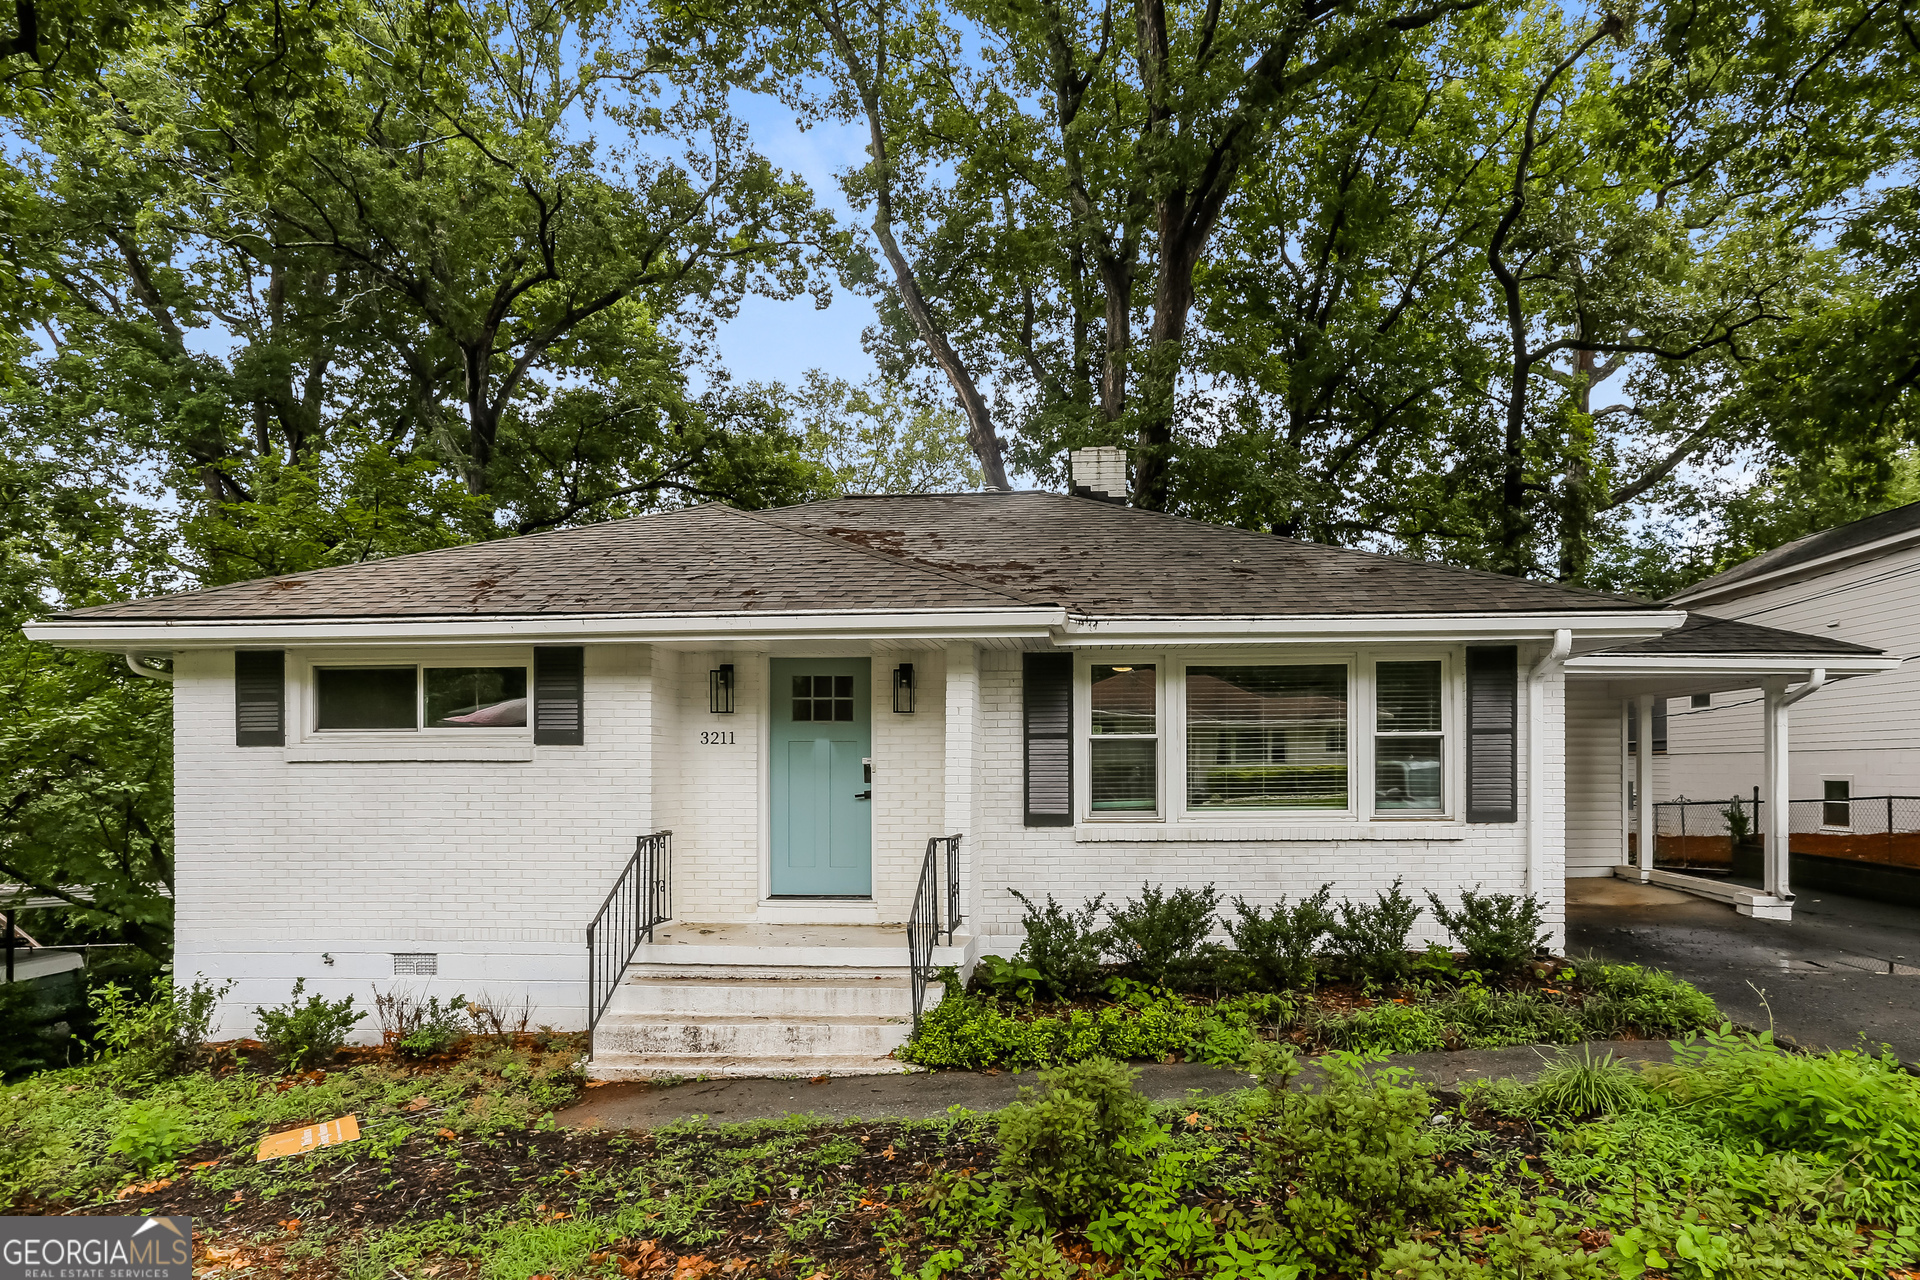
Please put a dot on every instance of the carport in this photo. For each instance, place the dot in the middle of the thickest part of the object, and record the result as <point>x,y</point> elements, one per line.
<point>1705,655</point>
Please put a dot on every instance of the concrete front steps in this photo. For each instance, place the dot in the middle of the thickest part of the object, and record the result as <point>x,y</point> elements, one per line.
<point>763,1000</point>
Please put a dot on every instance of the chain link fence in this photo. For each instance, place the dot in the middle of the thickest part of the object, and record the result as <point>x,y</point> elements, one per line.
<point>1715,835</point>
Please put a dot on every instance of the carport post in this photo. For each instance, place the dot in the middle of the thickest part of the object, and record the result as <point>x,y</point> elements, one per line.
<point>1774,800</point>
<point>1643,780</point>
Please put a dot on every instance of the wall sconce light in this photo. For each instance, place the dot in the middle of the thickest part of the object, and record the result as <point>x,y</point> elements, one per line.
<point>720,690</point>
<point>903,688</point>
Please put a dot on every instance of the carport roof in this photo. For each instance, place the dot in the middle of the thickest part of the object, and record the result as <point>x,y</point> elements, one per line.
<point>1708,636</point>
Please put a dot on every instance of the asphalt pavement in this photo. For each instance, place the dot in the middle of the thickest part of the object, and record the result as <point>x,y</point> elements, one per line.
<point>1842,973</point>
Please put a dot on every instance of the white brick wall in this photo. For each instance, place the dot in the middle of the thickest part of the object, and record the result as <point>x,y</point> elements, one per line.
<point>494,866</point>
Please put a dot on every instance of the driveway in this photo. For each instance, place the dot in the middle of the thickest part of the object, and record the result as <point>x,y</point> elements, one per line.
<point>1844,969</point>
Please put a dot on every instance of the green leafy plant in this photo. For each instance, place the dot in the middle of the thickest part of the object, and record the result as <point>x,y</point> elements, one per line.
<point>1281,941</point>
<point>1371,941</point>
<point>1006,979</point>
<point>306,1034</point>
<point>151,1136</point>
<point>439,1028</point>
<point>1739,821</point>
<point>157,1036</point>
<point>1073,1148</point>
<point>1497,930</point>
<point>1160,934</point>
<point>1063,946</point>
<point>1579,1085</point>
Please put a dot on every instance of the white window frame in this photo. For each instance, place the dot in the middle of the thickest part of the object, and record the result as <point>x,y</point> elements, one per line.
<point>1083,736</point>
<point>1452,749</point>
<point>305,703</point>
<point>1176,730</point>
<point>1825,778</point>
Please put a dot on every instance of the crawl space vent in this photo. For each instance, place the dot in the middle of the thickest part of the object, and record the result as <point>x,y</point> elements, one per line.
<point>415,964</point>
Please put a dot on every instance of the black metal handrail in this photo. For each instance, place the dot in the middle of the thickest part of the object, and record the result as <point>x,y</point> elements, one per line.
<point>923,926</point>
<point>640,899</point>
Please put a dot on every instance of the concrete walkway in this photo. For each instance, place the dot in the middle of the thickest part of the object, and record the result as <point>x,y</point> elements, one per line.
<point>929,1095</point>
<point>1841,970</point>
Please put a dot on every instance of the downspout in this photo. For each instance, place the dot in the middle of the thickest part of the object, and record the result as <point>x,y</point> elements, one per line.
<point>1815,682</point>
<point>1537,748</point>
<point>140,668</point>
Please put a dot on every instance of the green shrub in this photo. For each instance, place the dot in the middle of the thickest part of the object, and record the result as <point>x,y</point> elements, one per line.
<point>1625,999</point>
<point>1349,1167</point>
<point>970,1033</point>
<point>157,1036</point>
<point>1279,943</point>
<point>1384,1028</point>
<point>1073,1149</point>
<point>152,1135</point>
<point>306,1035</point>
<point>1063,946</point>
<point>1496,930</point>
<point>1575,1086</point>
<point>438,1028</point>
<point>1005,979</point>
<point>1160,934</point>
<point>1371,941</point>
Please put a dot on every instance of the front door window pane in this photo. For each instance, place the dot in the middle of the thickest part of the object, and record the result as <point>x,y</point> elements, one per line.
<point>476,697</point>
<point>1267,737</point>
<point>365,698</point>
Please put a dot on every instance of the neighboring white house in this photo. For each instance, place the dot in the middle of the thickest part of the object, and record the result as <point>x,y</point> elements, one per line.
<point>435,770</point>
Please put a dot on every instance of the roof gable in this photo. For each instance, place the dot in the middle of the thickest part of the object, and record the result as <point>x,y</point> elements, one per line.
<point>1897,528</point>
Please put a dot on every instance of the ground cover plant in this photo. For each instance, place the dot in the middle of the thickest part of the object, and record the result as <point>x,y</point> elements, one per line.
<point>1311,975</point>
<point>1737,1160</point>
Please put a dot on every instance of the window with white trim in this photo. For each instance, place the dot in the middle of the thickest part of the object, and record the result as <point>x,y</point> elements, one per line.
<point>1409,738</point>
<point>1266,736</point>
<point>1123,751</point>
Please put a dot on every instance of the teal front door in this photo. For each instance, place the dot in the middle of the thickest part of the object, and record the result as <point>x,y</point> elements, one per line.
<point>822,777</point>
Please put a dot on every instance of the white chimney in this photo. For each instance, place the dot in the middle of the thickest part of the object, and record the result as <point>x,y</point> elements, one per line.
<point>1099,472</point>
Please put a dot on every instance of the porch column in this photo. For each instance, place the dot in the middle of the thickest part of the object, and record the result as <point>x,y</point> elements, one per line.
<point>1643,780</point>
<point>963,768</point>
<point>1775,796</point>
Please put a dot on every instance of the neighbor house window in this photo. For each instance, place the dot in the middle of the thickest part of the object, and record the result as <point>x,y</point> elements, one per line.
<point>1409,737</point>
<point>1267,737</point>
<point>1123,765</point>
<point>406,697</point>
<point>1836,803</point>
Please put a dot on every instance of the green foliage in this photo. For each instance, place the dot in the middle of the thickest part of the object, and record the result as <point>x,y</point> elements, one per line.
<point>1497,930</point>
<point>1575,1086</point>
<point>1350,1165</point>
<point>1371,941</point>
<point>438,1028</point>
<point>1160,934</point>
<point>152,1135</point>
<point>1630,1000</point>
<point>307,1034</point>
<point>1005,979</point>
<point>1074,1148</point>
<point>1063,946</point>
<point>1280,942</point>
<point>159,1035</point>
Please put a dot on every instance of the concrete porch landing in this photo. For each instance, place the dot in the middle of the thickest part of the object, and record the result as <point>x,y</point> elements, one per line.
<point>772,1000</point>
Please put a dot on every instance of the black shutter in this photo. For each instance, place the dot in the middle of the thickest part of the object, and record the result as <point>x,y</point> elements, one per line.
<point>260,697</point>
<point>1047,697</point>
<point>1493,793</point>
<point>559,687</point>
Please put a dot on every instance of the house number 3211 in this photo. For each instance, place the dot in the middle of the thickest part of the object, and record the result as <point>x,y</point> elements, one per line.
<point>717,738</point>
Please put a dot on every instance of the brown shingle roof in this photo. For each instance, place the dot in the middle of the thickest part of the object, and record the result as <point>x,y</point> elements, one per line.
<point>1708,636</point>
<point>1816,546</point>
<point>919,552</point>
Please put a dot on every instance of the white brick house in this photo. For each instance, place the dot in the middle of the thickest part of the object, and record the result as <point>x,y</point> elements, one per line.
<point>432,770</point>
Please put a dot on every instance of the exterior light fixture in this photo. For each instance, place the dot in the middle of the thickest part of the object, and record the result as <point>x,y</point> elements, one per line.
<point>903,688</point>
<point>720,690</point>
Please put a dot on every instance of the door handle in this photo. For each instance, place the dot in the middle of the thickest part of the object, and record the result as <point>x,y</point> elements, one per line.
<point>863,795</point>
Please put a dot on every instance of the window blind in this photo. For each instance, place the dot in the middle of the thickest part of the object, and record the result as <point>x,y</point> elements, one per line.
<point>559,690</point>
<point>1047,708</point>
<point>260,697</point>
<point>1267,737</point>
<point>1492,734</point>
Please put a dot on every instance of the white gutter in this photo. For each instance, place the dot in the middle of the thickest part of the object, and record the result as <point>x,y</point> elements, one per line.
<point>1815,682</point>
<point>729,628</point>
<point>1627,666</point>
<point>1537,750</point>
<point>140,668</point>
<point>1141,631</point>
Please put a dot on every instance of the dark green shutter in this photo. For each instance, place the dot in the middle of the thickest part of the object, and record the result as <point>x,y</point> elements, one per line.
<point>1493,765</point>
<point>559,689</point>
<point>260,697</point>
<point>1047,699</point>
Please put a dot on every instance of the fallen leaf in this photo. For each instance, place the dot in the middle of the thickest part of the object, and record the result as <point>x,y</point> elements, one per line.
<point>420,1103</point>
<point>147,1188</point>
<point>736,1266</point>
<point>204,1164</point>
<point>819,1079</point>
<point>1192,1118</point>
<point>888,1153</point>
<point>447,1133</point>
<point>291,1224</point>
<point>540,1276</point>
<point>694,1267</point>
